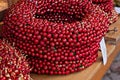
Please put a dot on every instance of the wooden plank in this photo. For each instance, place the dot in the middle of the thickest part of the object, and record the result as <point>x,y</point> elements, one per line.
<point>100,73</point>
<point>113,37</point>
<point>2,15</point>
<point>1,23</point>
<point>3,5</point>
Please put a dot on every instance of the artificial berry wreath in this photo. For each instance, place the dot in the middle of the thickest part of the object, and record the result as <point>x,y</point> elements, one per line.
<point>59,36</point>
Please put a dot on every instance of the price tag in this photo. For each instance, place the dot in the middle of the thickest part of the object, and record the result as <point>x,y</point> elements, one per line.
<point>103,50</point>
<point>117,9</point>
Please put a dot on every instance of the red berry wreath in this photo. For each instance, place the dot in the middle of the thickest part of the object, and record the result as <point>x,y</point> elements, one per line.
<point>59,36</point>
<point>13,65</point>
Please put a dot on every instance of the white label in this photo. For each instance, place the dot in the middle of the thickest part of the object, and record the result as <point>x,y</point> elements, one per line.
<point>103,50</point>
<point>117,9</point>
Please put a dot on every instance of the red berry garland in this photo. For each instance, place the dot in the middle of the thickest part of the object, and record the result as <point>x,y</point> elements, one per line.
<point>70,63</point>
<point>100,1</point>
<point>59,37</point>
<point>108,7</point>
<point>13,65</point>
<point>113,16</point>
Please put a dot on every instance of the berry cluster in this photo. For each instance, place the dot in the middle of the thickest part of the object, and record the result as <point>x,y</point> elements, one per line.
<point>13,65</point>
<point>59,36</point>
<point>108,7</point>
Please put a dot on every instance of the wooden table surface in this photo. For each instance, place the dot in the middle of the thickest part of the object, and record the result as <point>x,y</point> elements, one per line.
<point>114,37</point>
<point>3,5</point>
